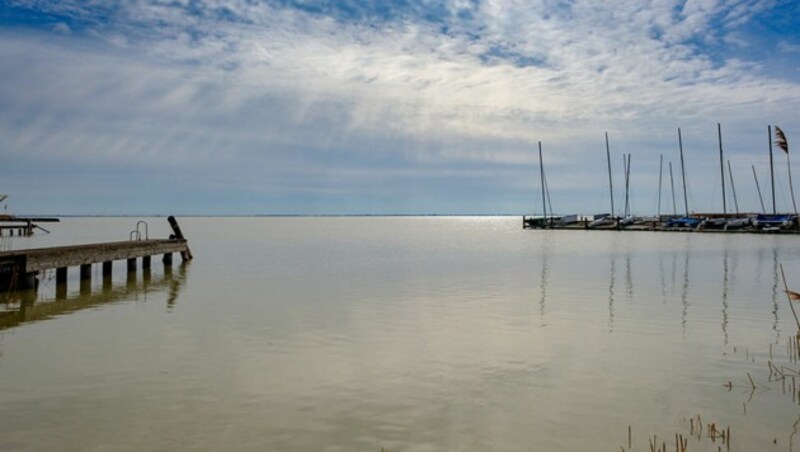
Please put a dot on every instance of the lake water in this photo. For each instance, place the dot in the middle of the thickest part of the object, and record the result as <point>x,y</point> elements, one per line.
<point>410,333</point>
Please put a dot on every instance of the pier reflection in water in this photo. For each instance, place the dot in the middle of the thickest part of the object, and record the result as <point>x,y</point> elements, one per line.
<point>46,302</point>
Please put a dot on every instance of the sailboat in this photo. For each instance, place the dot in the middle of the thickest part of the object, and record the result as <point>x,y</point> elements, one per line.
<point>686,221</point>
<point>775,221</point>
<point>767,222</point>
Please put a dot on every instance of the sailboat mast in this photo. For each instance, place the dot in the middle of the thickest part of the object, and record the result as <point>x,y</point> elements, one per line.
<point>722,169</point>
<point>683,173</point>
<point>610,184</point>
<point>541,176</point>
<point>547,191</point>
<point>660,172</point>
<point>733,188</point>
<point>672,183</point>
<point>771,169</point>
<point>758,187</point>
<point>625,164</point>
<point>789,169</point>
<point>627,187</point>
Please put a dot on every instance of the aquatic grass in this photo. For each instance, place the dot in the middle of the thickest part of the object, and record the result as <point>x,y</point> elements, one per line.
<point>789,297</point>
<point>681,442</point>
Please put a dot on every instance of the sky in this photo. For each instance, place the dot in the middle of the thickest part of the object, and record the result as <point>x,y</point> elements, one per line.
<point>311,107</point>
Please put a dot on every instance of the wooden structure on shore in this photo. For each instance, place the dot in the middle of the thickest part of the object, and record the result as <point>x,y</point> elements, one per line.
<point>19,269</point>
<point>22,226</point>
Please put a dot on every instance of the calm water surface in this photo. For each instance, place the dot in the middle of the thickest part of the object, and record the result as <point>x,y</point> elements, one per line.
<point>418,334</point>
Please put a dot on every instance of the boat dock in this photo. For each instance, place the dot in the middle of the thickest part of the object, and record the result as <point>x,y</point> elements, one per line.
<point>702,223</point>
<point>728,221</point>
<point>19,269</point>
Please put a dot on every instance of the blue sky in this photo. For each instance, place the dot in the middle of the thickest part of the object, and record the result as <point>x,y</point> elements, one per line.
<point>379,107</point>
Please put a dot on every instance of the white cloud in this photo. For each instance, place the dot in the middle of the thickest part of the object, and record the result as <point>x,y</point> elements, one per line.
<point>787,47</point>
<point>62,28</point>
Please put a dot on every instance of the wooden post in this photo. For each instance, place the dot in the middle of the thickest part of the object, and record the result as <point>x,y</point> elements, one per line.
<point>132,265</point>
<point>185,255</point>
<point>86,272</point>
<point>61,275</point>
<point>146,262</point>
<point>108,267</point>
<point>61,283</point>
<point>86,278</point>
<point>28,281</point>
<point>167,259</point>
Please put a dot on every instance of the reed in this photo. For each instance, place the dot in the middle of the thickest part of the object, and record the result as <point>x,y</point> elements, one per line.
<point>629,437</point>
<point>715,433</point>
<point>789,296</point>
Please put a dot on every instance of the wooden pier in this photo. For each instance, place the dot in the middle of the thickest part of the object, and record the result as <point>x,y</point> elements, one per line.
<point>22,226</point>
<point>19,269</point>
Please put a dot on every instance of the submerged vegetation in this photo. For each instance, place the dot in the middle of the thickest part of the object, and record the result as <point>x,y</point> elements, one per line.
<point>781,373</point>
<point>698,431</point>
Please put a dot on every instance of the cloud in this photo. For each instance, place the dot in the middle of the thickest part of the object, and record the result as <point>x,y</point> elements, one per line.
<point>787,47</point>
<point>62,28</point>
<point>404,89</point>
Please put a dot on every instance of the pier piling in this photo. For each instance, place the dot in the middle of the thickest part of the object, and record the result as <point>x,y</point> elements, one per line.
<point>108,267</point>
<point>61,275</point>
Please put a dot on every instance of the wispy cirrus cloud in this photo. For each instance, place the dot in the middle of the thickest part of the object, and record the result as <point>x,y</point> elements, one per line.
<point>406,89</point>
